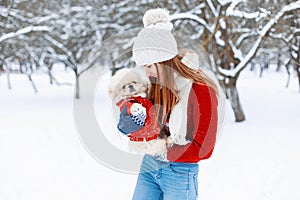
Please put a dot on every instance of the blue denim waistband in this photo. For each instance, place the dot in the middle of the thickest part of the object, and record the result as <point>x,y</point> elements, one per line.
<point>155,164</point>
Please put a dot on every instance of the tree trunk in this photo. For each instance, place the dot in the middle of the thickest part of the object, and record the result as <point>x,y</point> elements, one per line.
<point>77,91</point>
<point>262,68</point>
<point>289,74</point>
<point>278,62</point>
<point>113,69</point>
<point>1,68</point>
<point>50,74</point>
<point>252,68</point>
<point>298,63</point>
<point>298,73</point>
<point>232,93</point>
<point>32,83</point>
<point>8,77</point>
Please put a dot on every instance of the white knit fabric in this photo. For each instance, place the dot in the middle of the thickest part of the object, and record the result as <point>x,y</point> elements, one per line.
<point>154,45</point>
<point>178,118</point>
<point>155,42</point>
<point>157,18</point>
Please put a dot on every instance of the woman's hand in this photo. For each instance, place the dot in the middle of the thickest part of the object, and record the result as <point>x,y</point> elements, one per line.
<point>169,142</point>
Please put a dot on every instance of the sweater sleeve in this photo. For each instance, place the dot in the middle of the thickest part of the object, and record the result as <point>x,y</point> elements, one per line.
<point>201,128</point>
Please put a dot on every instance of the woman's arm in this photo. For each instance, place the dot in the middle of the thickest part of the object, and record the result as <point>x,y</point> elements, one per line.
<point>202,126</point>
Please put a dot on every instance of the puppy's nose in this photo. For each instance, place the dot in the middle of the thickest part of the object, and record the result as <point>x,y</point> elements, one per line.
<point>130,86</point>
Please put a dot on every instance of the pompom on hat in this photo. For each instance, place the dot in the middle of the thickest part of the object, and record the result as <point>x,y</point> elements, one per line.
<point>155,42</point>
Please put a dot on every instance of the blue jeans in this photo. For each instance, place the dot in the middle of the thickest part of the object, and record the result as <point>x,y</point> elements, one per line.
<point>160,180</point>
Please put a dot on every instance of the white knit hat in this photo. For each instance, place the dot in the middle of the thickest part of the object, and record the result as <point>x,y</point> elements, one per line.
<point>155,42</point>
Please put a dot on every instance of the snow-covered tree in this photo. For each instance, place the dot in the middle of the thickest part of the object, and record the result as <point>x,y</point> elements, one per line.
<point>232,32</point>
<point>287,30</point>
<point>18,41</point>
<point>85,33</point>
<point>41,33</point>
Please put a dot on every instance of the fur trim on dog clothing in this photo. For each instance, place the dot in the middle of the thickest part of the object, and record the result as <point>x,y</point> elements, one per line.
<point>139,128</point>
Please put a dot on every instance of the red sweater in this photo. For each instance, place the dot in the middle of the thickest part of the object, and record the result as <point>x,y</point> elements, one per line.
<point>202,119</point>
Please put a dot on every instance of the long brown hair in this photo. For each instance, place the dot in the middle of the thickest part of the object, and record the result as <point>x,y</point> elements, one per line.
<point>166,95</point>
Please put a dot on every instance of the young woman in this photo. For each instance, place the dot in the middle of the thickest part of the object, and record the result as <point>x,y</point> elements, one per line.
<point>187,102</point>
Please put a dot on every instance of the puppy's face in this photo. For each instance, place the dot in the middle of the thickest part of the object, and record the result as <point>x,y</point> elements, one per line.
<point>131,88</point>
<point>127,84</point>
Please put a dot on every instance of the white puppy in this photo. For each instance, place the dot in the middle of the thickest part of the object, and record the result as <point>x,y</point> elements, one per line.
<point>129,83</point>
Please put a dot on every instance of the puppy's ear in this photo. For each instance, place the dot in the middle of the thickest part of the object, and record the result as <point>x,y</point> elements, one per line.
<point>146,84</point>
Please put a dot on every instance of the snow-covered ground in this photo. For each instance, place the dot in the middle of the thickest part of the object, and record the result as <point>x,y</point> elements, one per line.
<point>41,156</point>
